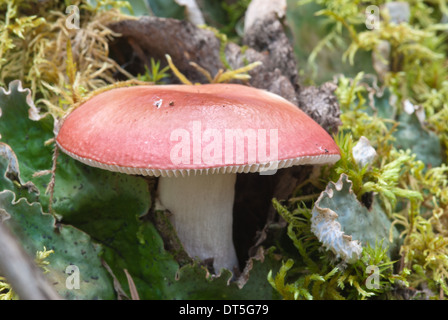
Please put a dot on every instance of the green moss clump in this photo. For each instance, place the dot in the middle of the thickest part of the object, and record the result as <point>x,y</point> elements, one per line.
<point>39,48</point>
<point>316,274</point>
<point>407,94</point>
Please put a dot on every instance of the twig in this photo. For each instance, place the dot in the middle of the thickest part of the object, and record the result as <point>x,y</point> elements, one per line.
<point>132,287</point>
<point>305,198</point>
<point>50,187</point>
<point>22,274</point>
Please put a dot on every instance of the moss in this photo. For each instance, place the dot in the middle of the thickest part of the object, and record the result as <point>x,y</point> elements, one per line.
<point>316,274</point>
<point>410,182</point>
<point>63,67</point>
<point>39,48</point>
<point>413,194</point>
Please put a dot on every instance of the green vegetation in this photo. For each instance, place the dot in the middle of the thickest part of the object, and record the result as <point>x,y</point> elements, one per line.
<point>392,88</point>
<point>408,178</point>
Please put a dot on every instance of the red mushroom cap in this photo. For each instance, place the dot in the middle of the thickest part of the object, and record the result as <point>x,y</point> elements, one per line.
<point>135,130</point>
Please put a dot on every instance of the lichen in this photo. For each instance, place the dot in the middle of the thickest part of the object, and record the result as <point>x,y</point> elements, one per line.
<point>408,176</point>
<point>316,274</point>
<point>413,193</point>
<point>410,185</point>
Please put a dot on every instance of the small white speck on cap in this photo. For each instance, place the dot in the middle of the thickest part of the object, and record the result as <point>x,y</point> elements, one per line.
<point>158,103</point>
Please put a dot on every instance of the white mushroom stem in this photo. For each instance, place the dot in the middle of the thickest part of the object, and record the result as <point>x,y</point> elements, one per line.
<point>202,214</point>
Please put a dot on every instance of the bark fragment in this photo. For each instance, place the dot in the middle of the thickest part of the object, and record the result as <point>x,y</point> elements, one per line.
<point>265,41</point>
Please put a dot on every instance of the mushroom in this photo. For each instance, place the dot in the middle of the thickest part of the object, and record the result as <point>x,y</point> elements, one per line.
<point>196,138</point>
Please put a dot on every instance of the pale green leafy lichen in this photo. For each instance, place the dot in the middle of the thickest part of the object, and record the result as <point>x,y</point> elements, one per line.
<point>410,184</point>
<point>344,225</point>
<point>414,195</point>
<point>315,274</point>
